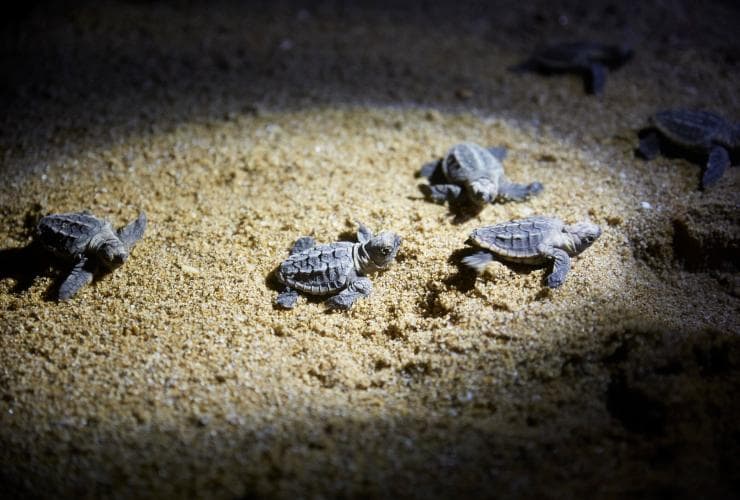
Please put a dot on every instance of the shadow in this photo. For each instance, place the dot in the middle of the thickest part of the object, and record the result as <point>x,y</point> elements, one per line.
<point>644,413</point>
<point>23,265</point>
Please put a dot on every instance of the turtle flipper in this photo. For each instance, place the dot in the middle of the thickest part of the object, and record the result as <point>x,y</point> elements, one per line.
<point>364,234</point>
<point>510,191</point>
<point>78,277</point>
<point>649,147</point>
<point>498,152</point>
<point>596,78</point>
<point>359,288</point>
<point>719,160</point>
<point>478,261</point>
<point>560,269</point>
<point>429,169</point>
<point>440,193</point>
<point>301,244</point>
<point>287,299</point>
<point>132,232</point>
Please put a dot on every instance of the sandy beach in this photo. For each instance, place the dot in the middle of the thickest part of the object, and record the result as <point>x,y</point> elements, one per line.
<point>240,128</point>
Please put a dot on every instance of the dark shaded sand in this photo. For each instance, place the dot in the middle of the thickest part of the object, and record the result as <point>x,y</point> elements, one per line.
<point>239,129</point>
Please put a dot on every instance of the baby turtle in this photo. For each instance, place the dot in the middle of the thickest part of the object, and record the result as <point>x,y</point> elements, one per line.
<point>476,173</point>
<point>700,134</point>
<point>89,242</point>
<point>336,269</point>
<point>534,240</point>
<point>589,59</point>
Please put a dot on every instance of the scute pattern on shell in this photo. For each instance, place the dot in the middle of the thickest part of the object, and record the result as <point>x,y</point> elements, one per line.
<point>68,233</point>
<point>319,270</point>
<point>516,239</point>
<point>691,128</point>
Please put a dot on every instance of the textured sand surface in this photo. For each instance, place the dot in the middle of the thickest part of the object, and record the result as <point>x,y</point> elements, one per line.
<point>239,129</point>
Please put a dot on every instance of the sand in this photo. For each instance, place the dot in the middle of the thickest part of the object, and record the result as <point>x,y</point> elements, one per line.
<point>238,130</point>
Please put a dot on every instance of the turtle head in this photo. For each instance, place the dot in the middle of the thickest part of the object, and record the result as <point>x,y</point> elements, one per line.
<point>379,251</point>
<point>583,235</point>
<point>482,191</point>
<point>112,253</point>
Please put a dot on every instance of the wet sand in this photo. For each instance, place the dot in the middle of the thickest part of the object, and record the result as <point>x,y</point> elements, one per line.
<point>239,130</point>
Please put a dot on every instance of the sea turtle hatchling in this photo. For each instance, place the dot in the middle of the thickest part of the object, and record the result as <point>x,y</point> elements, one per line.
<point>534,240</point>
<point>590,59</point>
<point>90,243</point>
<point>336,269</point>
<point>692,133</point>
<point>475,173</point>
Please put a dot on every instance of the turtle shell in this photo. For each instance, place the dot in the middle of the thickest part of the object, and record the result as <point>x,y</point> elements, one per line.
<point>319,270</point>
<point>467,162</point>
<point>692,129</point>
<point>517,240</point>
<point>68,234</point>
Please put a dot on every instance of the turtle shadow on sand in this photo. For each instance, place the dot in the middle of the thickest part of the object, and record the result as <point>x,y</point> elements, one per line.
<point>465,278</point>
<point>25,264</point>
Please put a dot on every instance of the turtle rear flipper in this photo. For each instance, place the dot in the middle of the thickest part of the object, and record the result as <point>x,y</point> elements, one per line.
<point>595,78</point>
<point>719,160</point>
<point>78,278</point>
<point>287,299</point>
<point>511,191</point>
<point>478,261</point>
<point>132,232</point>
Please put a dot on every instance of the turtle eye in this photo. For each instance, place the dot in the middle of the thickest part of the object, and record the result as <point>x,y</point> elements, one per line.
<point>385,251</point>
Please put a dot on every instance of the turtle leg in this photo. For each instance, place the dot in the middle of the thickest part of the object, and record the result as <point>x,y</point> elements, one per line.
<point>132,232</point>
<point>649,147</point>
<point>511,191</point>
<point>287,298</point>
<point>301,244</point>
<point>359,288</point>
<point>478,261</point>
<point>77,278</point>
<point>560,268</point>
<point>596,78</point>
<point>499,152</point>
<point>719,160</point>
<point>429,169</point>
<point>442,192</point>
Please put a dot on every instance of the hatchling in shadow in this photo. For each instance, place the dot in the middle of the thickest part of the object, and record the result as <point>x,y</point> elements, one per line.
<point>534,240</point>
<point>592,60</point>
<point>337,269</point>
<point>89,243</point>
<point>473,174</point>
<point>696,135</point>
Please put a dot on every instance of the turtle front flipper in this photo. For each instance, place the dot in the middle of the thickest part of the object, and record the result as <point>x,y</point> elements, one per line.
<point>429,169</point>
<point>510,191</point>
<point>78,277</point>
<point>498,152</point>
<point>561,266</point>
<point>440,193</point>
<point>359,288</point>
<point>596,78</point>
<point>132,232</point>
<point>719,160</point>
<point>287,299</point>
<point>478,261</point>
<point>649,147</point>
<point>301,244</point>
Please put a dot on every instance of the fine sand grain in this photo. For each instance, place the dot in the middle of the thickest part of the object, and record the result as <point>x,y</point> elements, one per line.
<point>238,130</point>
